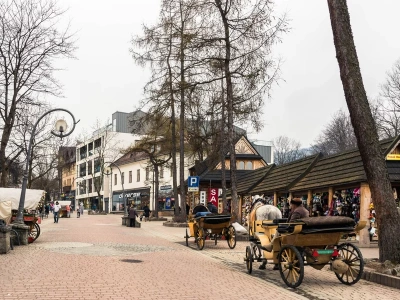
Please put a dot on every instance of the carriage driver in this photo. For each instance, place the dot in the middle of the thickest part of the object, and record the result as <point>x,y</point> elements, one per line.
<point>297,211</point>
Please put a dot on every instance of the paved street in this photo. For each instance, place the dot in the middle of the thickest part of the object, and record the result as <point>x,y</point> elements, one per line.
<point>94,257</point>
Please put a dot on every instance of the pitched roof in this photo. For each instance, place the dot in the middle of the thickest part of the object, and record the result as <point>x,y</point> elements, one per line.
<point>210,163</point>
<point>131,157</point>
<point>344,168</point>
<point>282,178</point>
<point>249,180</point>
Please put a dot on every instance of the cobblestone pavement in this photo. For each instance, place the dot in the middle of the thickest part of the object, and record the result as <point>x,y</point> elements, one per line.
<point>94,257</point>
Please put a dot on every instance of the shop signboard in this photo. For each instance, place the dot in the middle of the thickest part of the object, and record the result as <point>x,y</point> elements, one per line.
<point>393,157</point>
<point>168,203</point>
<point>203,196</point>
<point>213,196</point>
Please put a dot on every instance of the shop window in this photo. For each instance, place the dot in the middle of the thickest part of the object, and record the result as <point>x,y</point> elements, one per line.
<point>249,165</point>
<point>138,175</point>
<point>115,179</point>
<point>130,176</point>
<point>241,165</point>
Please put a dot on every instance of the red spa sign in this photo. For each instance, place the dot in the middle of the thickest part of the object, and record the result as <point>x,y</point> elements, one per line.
<point>213,196</point>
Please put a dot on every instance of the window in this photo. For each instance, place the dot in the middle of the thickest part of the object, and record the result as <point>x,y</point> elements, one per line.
<point>97,184</point>
<point>161,172</point>
<point>90,149</point>
<point>97,165</point>
<point>122,177</point>
<point>241,165</point>
<point>130,176</point>
<point>249,165</point>
<point>82,152</point>
<point>90,168</point>
<point>115,179</point>
<point>138,175</point>
<point>90,185</point>
<point>97,143</point>
<point>170,171</point>
<point>147,173</point>
<point>82,170</point>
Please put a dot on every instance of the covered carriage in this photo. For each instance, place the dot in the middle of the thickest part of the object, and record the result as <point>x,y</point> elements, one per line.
<point>311,241</point>
<point>9,202</point>
<point>204,225</point>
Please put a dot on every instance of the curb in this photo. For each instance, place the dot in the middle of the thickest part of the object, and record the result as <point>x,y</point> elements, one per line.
<point>387,280</point>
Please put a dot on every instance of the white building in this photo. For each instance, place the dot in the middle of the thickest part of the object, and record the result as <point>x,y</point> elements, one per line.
<point>92,155</point>
<point>135,177</point>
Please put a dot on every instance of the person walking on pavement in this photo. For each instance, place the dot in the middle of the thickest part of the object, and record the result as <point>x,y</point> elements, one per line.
<point>146,212</point>
<point>56,210</point>
<point>132,216</point>
<point>68,208</point>
<point>81,207</point>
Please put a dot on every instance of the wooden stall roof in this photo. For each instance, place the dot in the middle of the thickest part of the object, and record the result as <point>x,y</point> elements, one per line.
<point>344,169</point>
<point>216,175</point>
<point>249,180</point>
<point>282,178</point>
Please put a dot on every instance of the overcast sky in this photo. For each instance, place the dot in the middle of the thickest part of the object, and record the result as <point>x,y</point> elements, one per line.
<point>104,79</point>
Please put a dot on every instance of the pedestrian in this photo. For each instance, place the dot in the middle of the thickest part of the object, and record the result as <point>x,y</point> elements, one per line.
<point>212,208</point>
<point>47,210</point>
<point>68,208</point>
<point>81,207</point>
<point>146,213</point>
<point>56,210</point>
<point>132,216</point>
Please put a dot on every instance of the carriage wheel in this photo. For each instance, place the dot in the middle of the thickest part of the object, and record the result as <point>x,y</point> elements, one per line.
<point>231,236</point>
<point>249,260</point>
<point>256,251</point>
<point>34,232</point>
<point>187,238</point>
<point>291,266</point>
<point>200,238</point>
<point>352,256</point>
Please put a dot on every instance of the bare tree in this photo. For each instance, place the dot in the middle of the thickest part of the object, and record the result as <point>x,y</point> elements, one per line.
<point>337,136</point>
<point>29,43</point>
<point>248,31</point>
<point>388,217</point>
<point>388,104</point>
<point>287,150</point>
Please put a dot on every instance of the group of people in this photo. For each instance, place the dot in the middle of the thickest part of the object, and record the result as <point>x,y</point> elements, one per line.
<point>132,214</point>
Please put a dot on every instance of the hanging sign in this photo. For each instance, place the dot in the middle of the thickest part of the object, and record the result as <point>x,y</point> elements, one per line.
<point>213,196</point>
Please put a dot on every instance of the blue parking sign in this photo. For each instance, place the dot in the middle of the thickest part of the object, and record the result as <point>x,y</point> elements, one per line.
<point>193,183</point>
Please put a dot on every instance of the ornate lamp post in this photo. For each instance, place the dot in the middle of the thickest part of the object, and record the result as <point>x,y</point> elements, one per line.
<point>122,184</point>
<point>59,131</point>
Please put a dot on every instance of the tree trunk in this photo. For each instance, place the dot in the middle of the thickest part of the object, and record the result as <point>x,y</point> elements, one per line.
<point>229,102</point>
<point>156,190</point>
<point>388,218</point>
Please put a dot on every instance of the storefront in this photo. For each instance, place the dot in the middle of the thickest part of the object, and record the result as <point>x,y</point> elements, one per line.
<point>166,200</point>
<point>138,197</point>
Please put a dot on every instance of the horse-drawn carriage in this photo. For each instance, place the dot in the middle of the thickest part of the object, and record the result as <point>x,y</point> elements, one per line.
<point>204,225</point>
<point>309,241</point>
<point>9,202</point>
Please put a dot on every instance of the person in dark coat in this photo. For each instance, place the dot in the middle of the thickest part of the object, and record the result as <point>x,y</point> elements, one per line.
<point>132,216</point>
<point>297,210</point>
<point>146,213</point>
<point>212,208</point>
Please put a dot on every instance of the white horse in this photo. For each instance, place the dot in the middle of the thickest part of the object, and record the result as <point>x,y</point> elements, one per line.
<point>262,211</point>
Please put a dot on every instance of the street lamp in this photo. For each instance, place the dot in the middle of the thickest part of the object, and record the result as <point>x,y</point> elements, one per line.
<point>122,184</point>
<point>58,131</point>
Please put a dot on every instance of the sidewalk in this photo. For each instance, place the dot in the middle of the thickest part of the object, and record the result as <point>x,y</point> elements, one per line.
<point>95,257</point>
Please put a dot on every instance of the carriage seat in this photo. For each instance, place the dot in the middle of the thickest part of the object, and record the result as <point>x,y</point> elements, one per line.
<point>277,221</point>
<point>327,224</point>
